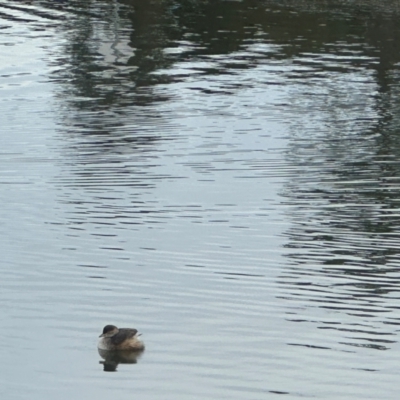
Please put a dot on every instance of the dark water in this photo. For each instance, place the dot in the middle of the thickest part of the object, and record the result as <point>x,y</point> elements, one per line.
<point>222,175</point>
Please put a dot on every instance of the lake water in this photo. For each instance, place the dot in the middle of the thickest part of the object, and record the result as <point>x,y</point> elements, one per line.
<point>223,176</point>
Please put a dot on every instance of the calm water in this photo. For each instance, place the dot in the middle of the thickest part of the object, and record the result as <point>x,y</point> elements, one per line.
<point>223,176</point>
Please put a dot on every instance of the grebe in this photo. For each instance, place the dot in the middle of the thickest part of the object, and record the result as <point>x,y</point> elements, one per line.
<point>113,338</point>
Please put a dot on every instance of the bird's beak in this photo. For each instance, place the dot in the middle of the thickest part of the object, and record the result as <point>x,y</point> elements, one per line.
<point>101,335</point>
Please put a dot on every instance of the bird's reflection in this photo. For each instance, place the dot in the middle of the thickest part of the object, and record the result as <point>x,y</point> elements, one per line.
<point>113,358</point>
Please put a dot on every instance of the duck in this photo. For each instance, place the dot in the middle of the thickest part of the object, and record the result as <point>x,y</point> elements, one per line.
<point>114,338</point>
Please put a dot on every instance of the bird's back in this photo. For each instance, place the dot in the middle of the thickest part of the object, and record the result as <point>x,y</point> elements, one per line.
<point>123,335</point>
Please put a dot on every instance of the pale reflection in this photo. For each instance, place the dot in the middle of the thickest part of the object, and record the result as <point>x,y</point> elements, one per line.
<point>113,358</point>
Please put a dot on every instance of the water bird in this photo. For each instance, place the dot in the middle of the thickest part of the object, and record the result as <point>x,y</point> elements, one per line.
<point>113,338</point>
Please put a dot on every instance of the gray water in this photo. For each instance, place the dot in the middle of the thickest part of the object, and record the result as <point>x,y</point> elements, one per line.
<point>221,175</point>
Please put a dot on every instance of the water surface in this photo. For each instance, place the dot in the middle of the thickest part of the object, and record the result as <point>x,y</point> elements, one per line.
<point>222,176</point>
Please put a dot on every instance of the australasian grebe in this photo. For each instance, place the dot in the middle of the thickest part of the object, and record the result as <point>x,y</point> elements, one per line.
<point>113,338</point>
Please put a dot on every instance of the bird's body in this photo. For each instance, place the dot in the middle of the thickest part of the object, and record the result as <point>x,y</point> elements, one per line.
<point>114,338</point>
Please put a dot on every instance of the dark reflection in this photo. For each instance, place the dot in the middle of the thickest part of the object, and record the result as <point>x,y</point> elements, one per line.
<point>119,57</point>
<point>118,51</point>
<point>119,54</point>
<point>337,64</point>
<point>113,358</point>
<point>343,242</point>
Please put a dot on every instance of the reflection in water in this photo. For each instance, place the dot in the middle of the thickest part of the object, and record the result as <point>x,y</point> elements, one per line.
<point>113,358</point>
<point>343,239</point>
<point>340,162</point>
